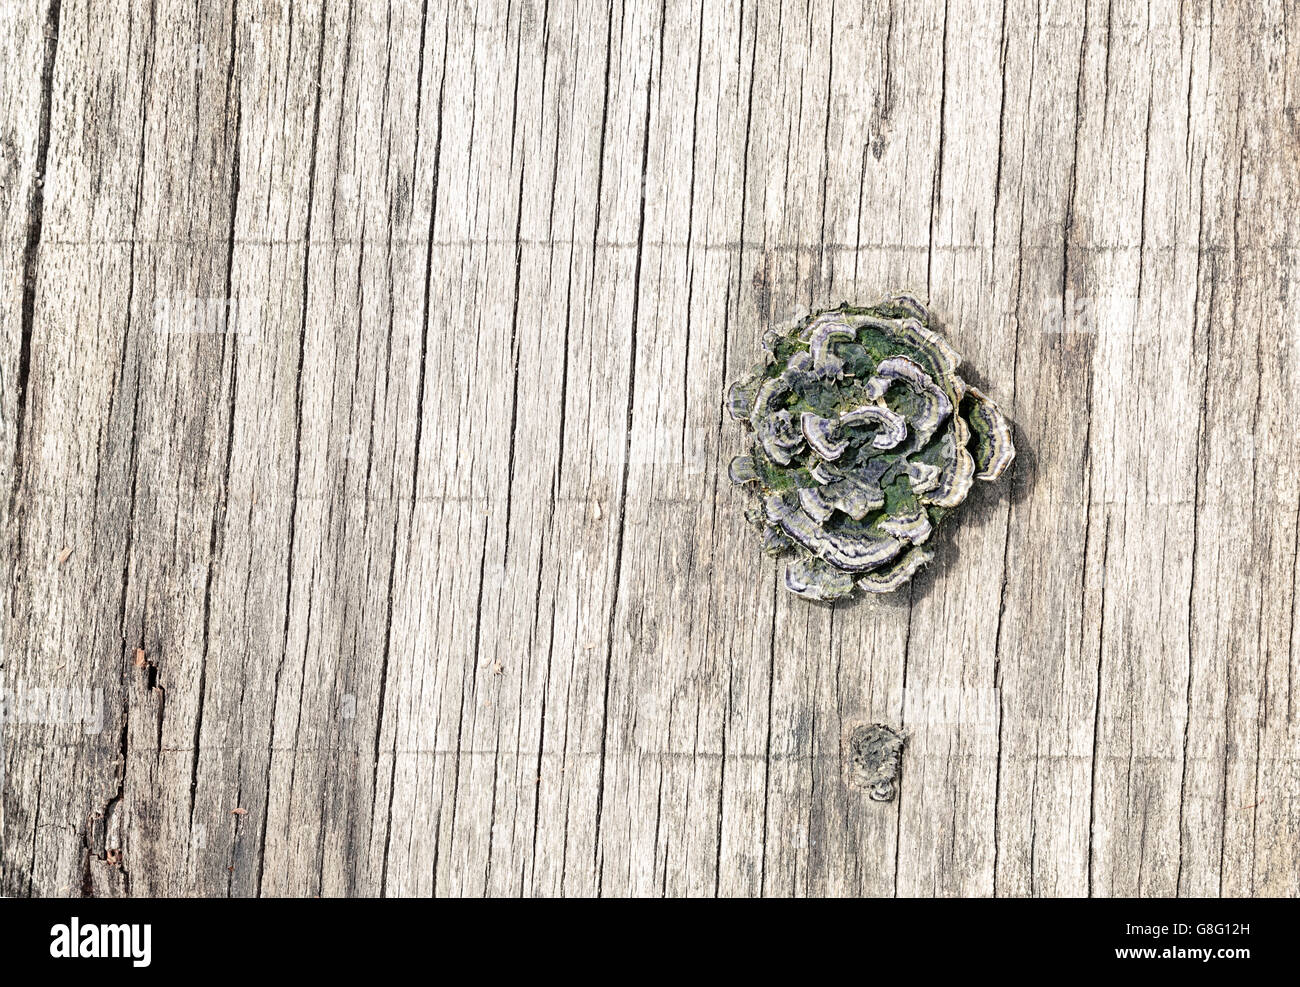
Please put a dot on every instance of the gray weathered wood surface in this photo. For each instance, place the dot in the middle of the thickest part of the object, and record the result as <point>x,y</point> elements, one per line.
<point>418,551</point>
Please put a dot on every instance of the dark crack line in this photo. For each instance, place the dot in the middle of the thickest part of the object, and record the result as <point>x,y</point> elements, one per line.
<point>297,442</point>
<point>219,510</point>
<point>627,463</point>
<point>1196,486</point>
<point>1096,711</point>
<point>936,191</point>
<point>1074,172</point>
<point>31,261</point>
<point>415,470</point>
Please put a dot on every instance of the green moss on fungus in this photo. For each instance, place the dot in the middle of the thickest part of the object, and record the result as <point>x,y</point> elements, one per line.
<point>863,439</point>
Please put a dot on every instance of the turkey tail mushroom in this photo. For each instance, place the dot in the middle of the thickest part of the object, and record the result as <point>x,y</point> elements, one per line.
<point>862,440</point>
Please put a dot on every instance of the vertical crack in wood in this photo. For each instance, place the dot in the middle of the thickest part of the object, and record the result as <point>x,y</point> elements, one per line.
<point>627,460</point>
<point>417,440</point>
<point>1096,711</point>
<point>30,261</point>
<point>124,735</point>
<point>936,190</point>
<point>230,339</point>
<point>1197,495</point>
<point>1074,172</point>
<point>297,444</point>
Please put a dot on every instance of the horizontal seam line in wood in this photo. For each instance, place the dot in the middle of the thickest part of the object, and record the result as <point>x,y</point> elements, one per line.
<point>935,756</point>
<point>762,246</point>
<point>272,500</point>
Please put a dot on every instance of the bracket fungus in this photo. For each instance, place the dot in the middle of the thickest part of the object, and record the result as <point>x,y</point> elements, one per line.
<point>863,439</point>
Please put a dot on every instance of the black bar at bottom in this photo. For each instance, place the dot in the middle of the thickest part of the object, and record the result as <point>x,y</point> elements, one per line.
<point>343,938</point>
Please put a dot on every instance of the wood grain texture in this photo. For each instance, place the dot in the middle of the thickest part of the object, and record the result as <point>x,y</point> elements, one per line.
<point>369,358</point>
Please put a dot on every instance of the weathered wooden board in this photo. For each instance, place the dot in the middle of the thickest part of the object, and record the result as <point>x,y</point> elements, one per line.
<point>368,361</point>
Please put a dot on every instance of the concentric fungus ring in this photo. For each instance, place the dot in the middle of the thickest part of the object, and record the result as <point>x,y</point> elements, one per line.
<point>863,439</point>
